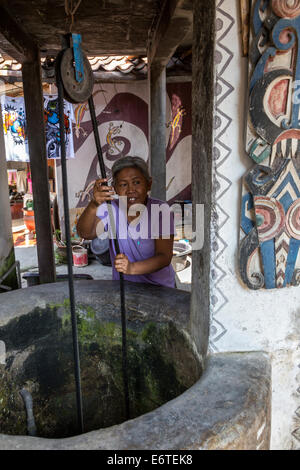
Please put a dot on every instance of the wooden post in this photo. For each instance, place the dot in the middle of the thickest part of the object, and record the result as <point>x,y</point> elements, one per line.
<point>157,110</point>
<point>245,24</point>
<point>172,25</point>
<point>33,94</point>
<point>202,143</point>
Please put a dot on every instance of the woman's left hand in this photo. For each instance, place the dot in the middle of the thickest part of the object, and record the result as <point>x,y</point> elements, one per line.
<point>122,264</point>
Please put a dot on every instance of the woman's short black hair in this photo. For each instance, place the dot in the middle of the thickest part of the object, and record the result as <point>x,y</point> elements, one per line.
<point>130,162</point>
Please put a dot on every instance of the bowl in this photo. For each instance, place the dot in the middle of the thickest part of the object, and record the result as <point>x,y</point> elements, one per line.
<point>181,250</point>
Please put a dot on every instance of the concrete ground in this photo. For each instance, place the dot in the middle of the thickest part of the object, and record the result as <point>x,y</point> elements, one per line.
<point>27,256</point>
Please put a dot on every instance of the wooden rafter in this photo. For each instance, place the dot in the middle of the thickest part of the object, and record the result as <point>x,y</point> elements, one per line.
<point>169,29</point>
<point>14,40</point>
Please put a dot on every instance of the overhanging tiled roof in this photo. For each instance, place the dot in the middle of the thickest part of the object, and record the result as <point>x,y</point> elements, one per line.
<point>134,67</point>
<point>124,64</point>
<point>9,64</point>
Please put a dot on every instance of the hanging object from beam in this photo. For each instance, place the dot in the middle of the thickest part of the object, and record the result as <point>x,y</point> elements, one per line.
<point>78,57</point>
<point>76,72</point>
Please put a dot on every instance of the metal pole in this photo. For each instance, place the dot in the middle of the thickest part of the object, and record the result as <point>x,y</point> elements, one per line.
<point>117,248</point>
<point>69,251</point>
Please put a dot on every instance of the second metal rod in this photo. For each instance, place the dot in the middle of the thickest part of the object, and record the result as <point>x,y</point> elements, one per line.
<point>117,248</point>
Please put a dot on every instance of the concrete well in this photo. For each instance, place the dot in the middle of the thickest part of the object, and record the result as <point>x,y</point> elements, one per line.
<point>172,405</point>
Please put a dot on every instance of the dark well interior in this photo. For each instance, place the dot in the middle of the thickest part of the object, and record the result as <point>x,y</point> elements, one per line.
<point>162,364</point>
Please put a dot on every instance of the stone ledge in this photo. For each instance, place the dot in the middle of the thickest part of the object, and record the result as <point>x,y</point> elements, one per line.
<point>229,408</point>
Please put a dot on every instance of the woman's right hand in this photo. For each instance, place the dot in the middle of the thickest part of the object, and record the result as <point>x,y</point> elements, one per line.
<point>102,192</point>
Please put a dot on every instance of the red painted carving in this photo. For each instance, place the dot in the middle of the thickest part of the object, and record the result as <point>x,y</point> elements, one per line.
<point>290,134</point>
<point>270,217</point>
<point>286,8</point>
<point>285,36</point>
<point>278,98</point>
<point>293,220</point>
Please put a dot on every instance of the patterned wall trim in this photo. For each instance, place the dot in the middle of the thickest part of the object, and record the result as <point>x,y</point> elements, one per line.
<point>221,183</point>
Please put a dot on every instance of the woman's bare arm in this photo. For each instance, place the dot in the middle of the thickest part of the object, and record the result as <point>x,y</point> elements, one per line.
<point>87,223</point>
<point>87,226</point>
<point>161,259</point>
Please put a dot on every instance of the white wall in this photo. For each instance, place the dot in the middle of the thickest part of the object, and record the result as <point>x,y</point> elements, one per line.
<point>243,319</point>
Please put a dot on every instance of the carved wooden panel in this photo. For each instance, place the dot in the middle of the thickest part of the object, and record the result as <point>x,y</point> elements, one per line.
<point>270,218</point>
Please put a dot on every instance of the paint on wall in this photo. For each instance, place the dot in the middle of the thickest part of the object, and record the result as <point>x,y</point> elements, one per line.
<point>122,117</point>
<point>270,220</point>
<point>179,140</point>
<point>221,182</point>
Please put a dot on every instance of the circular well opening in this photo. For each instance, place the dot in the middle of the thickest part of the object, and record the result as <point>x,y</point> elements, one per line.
<point>162,364</point>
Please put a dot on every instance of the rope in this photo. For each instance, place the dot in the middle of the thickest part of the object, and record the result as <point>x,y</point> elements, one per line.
<point>70,11</point>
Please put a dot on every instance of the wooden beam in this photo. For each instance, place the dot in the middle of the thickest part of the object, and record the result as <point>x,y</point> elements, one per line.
<point>202,163</point>
<point>104,77</point>
<point>170,28</point>
<point>179,78</point>
<point>157,119</point>
<point>118,77</point>
<point>172,25</point>
<point>14,41</point>
<point>245,23</point>
<point>34,105</point>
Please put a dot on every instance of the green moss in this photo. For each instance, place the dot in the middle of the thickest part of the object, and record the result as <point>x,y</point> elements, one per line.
<point>90,328</point>
<point>12,414</point>
<point>5,265</point>
<point>44,341</point>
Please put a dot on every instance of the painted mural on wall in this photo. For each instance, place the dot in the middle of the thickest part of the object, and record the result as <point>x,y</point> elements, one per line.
<point>121,121</point>
<point>270,219</point>
<point>123,130</point>
<point>178,151</point>
<point>123,118</point>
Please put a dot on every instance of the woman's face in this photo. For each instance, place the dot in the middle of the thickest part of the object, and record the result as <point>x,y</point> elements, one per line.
<point>131,182</point>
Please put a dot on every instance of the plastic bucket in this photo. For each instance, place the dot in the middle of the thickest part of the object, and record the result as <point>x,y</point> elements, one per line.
<point>80,256</point>
<point>29,220</point>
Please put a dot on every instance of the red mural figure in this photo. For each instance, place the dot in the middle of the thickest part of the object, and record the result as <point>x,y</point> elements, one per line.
<point>178,112</point>
<point>180,124</point>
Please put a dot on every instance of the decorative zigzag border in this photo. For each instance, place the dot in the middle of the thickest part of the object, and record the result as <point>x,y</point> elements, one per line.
<point>221,184</point>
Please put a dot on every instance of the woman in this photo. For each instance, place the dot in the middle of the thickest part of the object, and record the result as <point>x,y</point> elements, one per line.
<point>144,227</point>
